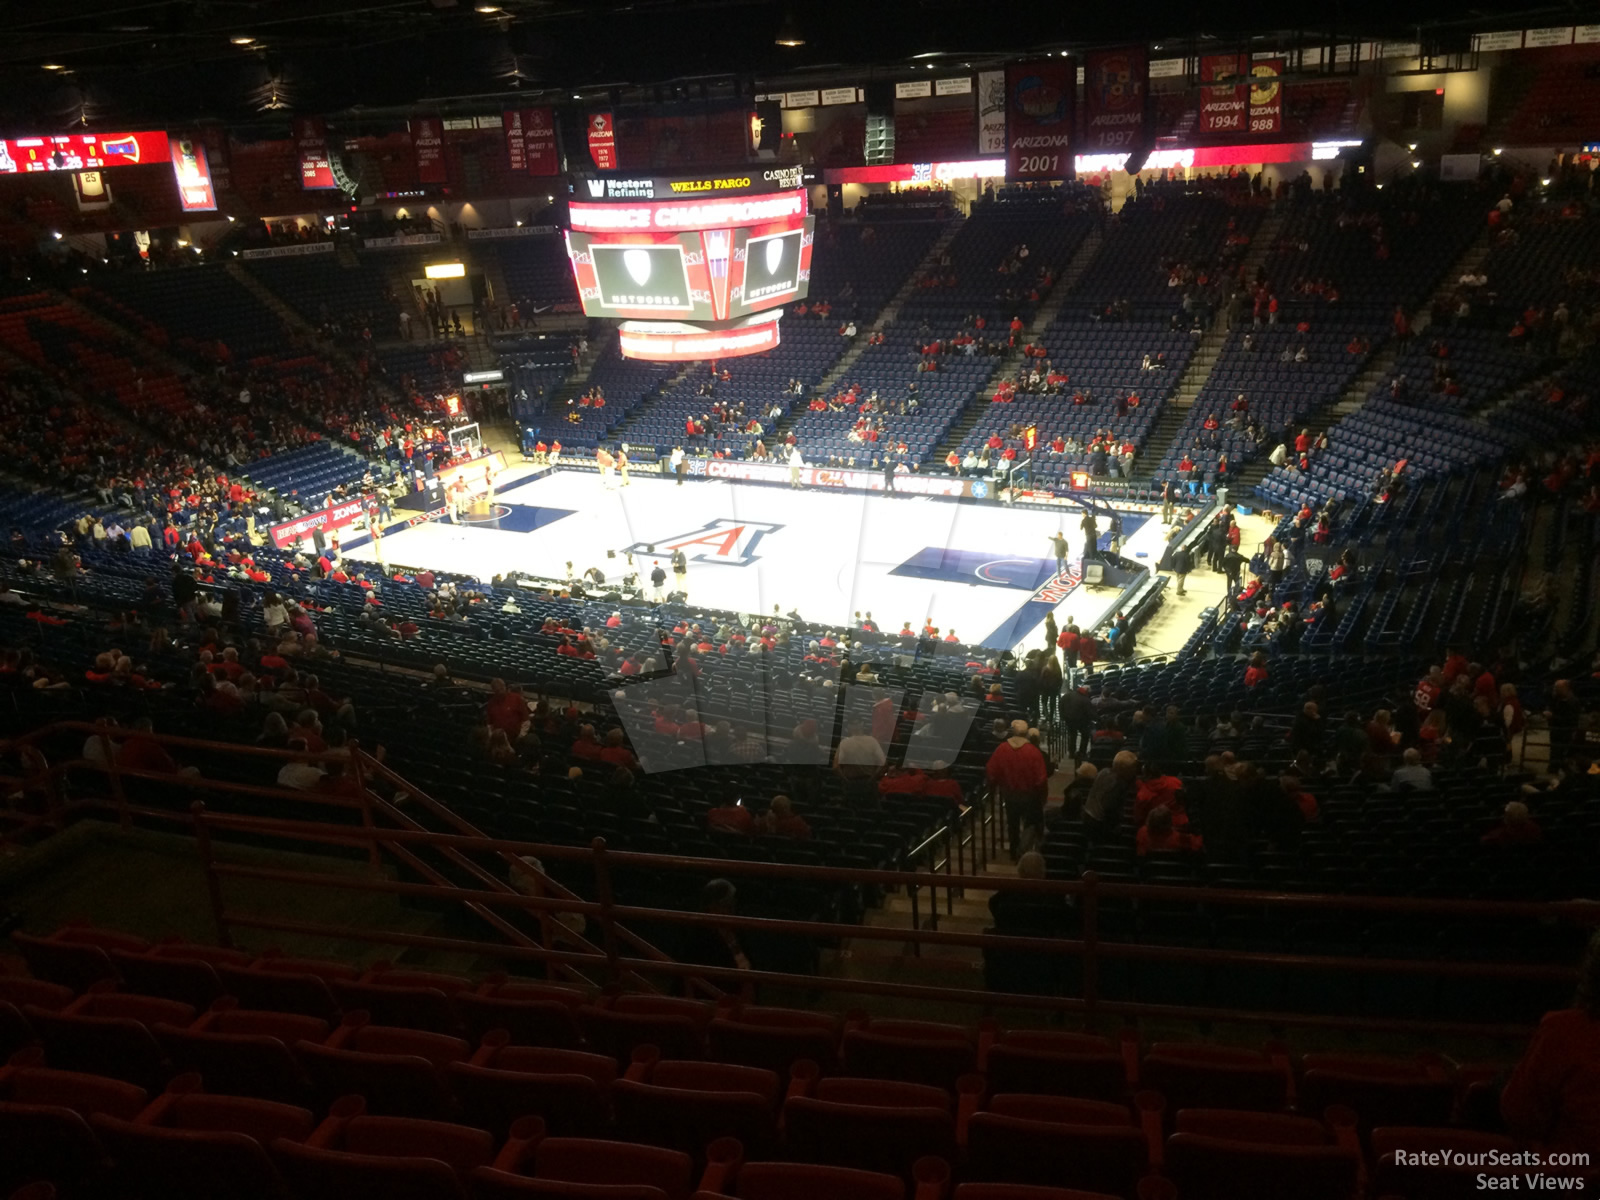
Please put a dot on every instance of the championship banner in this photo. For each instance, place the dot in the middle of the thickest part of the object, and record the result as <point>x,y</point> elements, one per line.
<point>516,142</point>
<point>215,138</point>
<point>92,190</point>
<point>539,141</point>
<point>427,139</point>
<point>1039,112</point>
<point>1115,86</point>
<point>193,174</point>
<point>1266,96</point>
<point>603,141</point>
<point>991,112</point>
<point>1223,97</point>
<point>311,147</point>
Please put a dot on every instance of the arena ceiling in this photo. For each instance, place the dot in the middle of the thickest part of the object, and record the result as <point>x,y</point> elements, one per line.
<point>126,62</point>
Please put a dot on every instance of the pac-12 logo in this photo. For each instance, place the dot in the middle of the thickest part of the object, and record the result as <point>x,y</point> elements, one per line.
<point>724,541</point>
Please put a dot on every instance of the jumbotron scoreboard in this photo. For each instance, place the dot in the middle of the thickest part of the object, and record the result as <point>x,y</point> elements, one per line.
<point>692,267</point>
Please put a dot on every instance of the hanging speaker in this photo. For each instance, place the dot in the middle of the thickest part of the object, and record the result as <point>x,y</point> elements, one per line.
<point>879,147</point>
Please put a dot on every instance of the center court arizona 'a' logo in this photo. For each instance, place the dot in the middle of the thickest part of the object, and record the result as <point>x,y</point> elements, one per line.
<point>724,541</point>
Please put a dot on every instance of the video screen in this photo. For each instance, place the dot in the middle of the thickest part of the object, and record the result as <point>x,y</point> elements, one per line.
<point>714,274</point>
<point>772,268</point>
<point>653,277</point>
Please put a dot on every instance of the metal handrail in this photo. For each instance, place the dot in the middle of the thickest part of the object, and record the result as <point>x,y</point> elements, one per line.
<point>978,826</point>
<point>1091,948</point>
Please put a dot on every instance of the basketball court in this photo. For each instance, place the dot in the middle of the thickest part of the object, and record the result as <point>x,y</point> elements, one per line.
<point>983,571</point>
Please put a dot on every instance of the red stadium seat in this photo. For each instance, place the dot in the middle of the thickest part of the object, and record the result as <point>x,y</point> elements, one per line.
<point>15,1032</point>
<point>397,1071</point>
<point>1379,1091</point>
<point>569,1089</point>
<point>1063,1064</point>
<point>198,952</point>
<point>502,986</point>
<point>190,980</point>
<point>46,1142</point>
<point>239,1064</point>
<point>607,1031</point>
<point>530,1022</point>
<point>278,990</point>
<point>75,965</point>
<point>352,1154</point>
<point>1214,1168</point>
<point>1262,1129</point>
<point>190,1146</point>
<point>25,1080</point>
<point>806,1181</point>
<point>688,1105</point>
<point>120,1047</point>
<point>587,1167</point>
<point>318,1174</point>
<point>401,1005</point>
<point>392,976</point>
<point>1064,1110</point>
<point>1201,1076</point>
<point>881,1093</point>
<point>775,1038</point>
<point>712,1077</point>
<point>915,1051</point>
<point>20,989</point>
<point>1095,1158</point>
<point>463,1148</point>
<point>869,1137</point>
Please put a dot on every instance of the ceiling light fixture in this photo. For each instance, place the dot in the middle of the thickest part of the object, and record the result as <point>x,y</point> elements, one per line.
<point>242,39</point>
<point>789,32</point>
<point>488,9</point>
<point>52,66</point>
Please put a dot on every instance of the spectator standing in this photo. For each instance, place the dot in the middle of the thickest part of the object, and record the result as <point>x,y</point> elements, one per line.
<point>1182,564</point>
<point>1112,793</point>
<point>680,572</point>
<point>859,761</point>
<point>1017,769</point>
<point>1552,1100</point>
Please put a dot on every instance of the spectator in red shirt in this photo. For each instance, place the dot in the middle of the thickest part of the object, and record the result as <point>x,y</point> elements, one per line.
<point>616,752</point>
<point>1017,768</point>
<point>1088,652</point>
<point>585,746</point>
<point>1157,790</point>
<point>1158,834</point>
<point>1256,672</point>
<point>1516,828</point>
<point>782,821</point>
<point>732,817</point>
<point>143,753</point>
<point>1552,1100</point>
<point>506,709</point>
<point>1428,691</point>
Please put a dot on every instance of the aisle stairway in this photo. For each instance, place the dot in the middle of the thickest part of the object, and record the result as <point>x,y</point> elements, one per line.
<point>884,318</point>
<point>141,348</point>
<point>1008,365</point>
